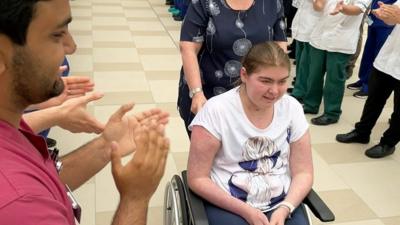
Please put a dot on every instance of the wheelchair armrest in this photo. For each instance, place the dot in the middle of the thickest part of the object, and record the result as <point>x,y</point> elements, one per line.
<point>318,207</point>
<point>195,204</point>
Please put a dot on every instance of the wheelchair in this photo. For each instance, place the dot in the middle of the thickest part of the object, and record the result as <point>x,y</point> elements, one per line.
<point>184,207</point>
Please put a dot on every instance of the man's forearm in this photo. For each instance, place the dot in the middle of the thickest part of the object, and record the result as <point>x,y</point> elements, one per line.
<point>42,119</point>
<point>351,10</point>
<point>83,163</point>
<point>131,212</point>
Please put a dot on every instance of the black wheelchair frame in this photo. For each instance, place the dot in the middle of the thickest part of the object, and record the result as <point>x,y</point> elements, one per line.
<point>184,207</point>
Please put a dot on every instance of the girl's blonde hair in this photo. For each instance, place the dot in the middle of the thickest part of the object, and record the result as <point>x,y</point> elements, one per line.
<point>262,55</point>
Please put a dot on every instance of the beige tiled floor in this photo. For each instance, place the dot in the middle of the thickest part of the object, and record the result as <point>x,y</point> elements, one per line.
<point>130,49</point>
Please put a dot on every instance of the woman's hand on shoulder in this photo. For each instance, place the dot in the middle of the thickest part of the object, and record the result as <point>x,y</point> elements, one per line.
<point>198,101</point>
<point>255,217</point>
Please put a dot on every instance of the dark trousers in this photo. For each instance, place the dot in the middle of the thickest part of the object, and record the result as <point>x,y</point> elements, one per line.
<point>334,65</point>
<point>375,40</point>
<point>218,216</point>
<point>302,71</point>
<point>381,85</point>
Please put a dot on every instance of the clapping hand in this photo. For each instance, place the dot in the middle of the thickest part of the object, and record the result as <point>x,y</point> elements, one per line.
<point>338,8</point>
<point>75,118</point>
<point>390,14</point>
<point>123,129</point>
<point>139,178</point>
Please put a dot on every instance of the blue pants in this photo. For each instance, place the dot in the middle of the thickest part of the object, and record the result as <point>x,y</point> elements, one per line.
<point>218,216</point>
<point>375,40</point>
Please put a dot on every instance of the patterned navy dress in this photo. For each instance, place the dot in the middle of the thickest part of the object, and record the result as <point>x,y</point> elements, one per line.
<point>226,35</point>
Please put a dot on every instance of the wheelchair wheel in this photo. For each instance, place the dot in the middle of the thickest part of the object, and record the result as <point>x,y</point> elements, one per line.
<point>175,208</point>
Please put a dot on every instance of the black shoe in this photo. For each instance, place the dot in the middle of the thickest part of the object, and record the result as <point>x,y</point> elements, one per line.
<point>323,120</point>
<point>292,55</point>
<point>360,94</point>
<point>354,86</point>
<point>352,137</point>
<point>51,142</point>
<point>177,17</point>
<point>379,151</point>
<point>289,90</point>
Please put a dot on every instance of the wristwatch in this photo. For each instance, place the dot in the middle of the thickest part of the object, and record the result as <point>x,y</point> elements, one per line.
<point>194,91</point>
<point>288,206</point>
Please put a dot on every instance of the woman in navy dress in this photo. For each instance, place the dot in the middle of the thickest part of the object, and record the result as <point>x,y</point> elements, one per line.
<point>215,34</point>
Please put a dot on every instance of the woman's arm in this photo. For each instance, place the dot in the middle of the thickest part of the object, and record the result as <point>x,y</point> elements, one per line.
<point>301,167</point>
<point>191,68</point>
<point>203,148</point>
<point>300,162</point>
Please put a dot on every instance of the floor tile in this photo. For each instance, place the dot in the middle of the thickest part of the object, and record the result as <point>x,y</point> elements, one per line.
<point>104,218</point>
<point>146,26</point>
<point>117,67</point>
<point>120,55</point>
<point>325,178</point>
<point>181,159</point>
<point>119,98</point>
<point>140,13</point>
<point>118,36</point>
<point>347,206</point>
<point>84,41</point>
<point>376,182</point>
<point>80,25</point>
<point>391,220</point>
<point>161,62</point>
<point>109,21</point>
<point>169,88</point>
<point>81,12</point>
<point>81,63</point>
<point>157,51</point>
<point>334,153</point>
<point>135,4</point>
<point>107,9</point>
<point>169,107</point>
<point>155,216</point>
<point>121,81</point>
<point>177,134</point>
<point>85,195</point>
<point>154,42</point>
<point>163,75</point>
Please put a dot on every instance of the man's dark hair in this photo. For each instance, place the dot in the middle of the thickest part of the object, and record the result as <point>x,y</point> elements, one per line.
<point>15,17</point>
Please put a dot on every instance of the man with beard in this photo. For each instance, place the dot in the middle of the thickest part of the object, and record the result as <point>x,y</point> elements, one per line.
<point>33,40</point>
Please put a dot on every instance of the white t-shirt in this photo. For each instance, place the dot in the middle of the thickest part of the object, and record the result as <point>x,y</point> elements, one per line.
<point>388,59</point>
<point>252,164</point>
<point>338,33</point>
<point>304,21</point>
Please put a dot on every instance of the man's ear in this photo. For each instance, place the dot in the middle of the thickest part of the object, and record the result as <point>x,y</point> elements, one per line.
<point>5,52</point>
<point>2,64</point>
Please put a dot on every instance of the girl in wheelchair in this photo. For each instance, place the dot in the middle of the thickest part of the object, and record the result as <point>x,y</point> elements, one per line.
<point>250,152</point>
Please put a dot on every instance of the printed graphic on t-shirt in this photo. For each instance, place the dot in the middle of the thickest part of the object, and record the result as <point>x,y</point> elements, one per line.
<point>258,184</point>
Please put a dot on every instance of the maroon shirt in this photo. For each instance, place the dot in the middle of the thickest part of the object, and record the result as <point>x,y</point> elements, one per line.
<point>31,192</point>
